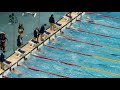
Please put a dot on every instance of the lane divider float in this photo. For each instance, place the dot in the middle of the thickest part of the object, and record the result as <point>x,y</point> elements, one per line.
<point>100,25</point>
<point>34,69</point>
<point>102,15</point>
<point>83,31</point>
<point>110,48</point>
<point>5,77</point>
<point>83,67</point>
<point>97,57</point>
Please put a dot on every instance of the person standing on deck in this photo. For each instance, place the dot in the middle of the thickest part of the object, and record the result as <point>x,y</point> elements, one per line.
<point>36,34</point>
<point>2,59</point>
<point>52,22</point>
<point>19,42</point>
<point>3,41</point>
<point>21,31</point>
<point>41,31</point>
<point>70,15</point>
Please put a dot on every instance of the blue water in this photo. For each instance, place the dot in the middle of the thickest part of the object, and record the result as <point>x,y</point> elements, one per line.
<point>107,66</point>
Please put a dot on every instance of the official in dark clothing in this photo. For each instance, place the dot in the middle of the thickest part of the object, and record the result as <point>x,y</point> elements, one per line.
<point>19,43</point>
<point>52,22</point>
<point>2,59</point>
<point>3,41</point>
<point>21,31</point>
<point>41,31</point>
<point>35,34</point>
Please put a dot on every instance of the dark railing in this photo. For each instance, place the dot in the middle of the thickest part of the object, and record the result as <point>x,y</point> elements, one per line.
<point>40,43</point>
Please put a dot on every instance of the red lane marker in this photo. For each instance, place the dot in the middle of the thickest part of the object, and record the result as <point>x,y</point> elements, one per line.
<point>78,20</point>
<point>89,12</point>
<point>102,15</point>
<point>91,33</point>
<point>55,60</point>
<point>96,34</point>
<point>67,50</point>
<point>5,77</point>
<point>104,25</point>
<point>100,24</point>
<point>81,41</point>
<point>34,69</point>
<point>47,72</point>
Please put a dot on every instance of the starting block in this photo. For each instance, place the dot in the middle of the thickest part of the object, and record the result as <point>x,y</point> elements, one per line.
<point>47,32</point>
<point>70,17</point>
<point>7,63</point>
<point>57,26</point>
<point>66,18</point>
<point>33,42</point>
<point>78,12</point>
<point>19,52</point>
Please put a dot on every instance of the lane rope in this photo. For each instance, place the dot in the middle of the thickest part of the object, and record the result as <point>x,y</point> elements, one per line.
<point>34,69</point>
<point>107,47</point>
<point>100,25</point>
<point>97,57</point>
<point>58,61</point>
<point>83,67</point>
<point>83,31</point>
<point>102,15</point>
<point>5,77</point>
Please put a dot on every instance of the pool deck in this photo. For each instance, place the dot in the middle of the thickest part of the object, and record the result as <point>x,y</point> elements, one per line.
<point>27,48</point>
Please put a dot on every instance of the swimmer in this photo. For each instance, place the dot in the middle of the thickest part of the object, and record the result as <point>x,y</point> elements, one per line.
<point>40,51</point>
<point>16,72</point>
<point>53,40</point>
<point>114,55</point>
<point>25,59</point>
<point>74,27</point>
<point>62,34</point>
<point>88,19</point>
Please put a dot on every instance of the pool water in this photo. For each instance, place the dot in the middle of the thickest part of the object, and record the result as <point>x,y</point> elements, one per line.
<point>91,61</point>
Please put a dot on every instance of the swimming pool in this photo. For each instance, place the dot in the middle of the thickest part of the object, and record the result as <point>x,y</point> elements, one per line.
<point>91,50</point>
<point>29,23</point>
